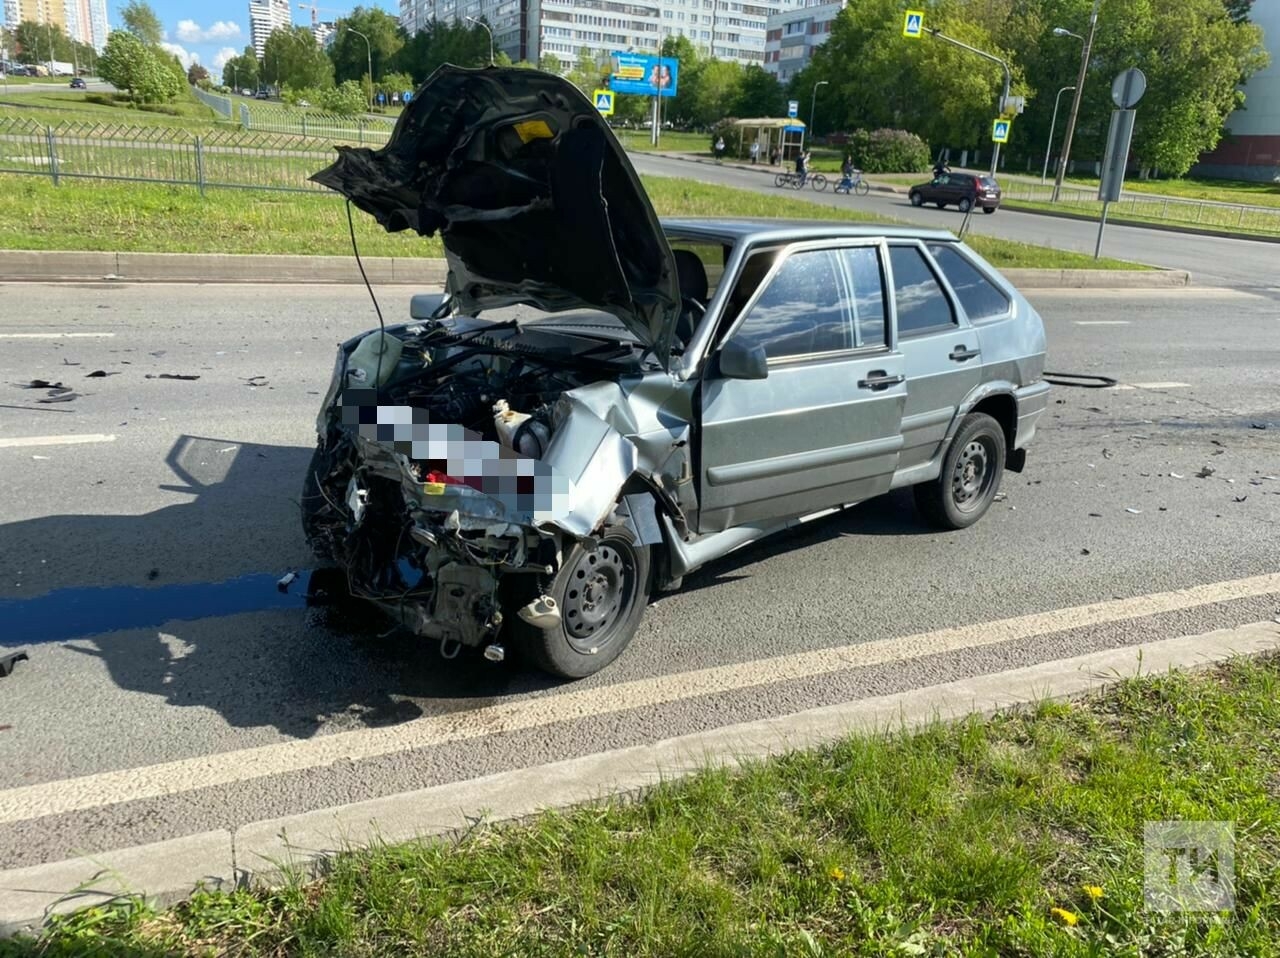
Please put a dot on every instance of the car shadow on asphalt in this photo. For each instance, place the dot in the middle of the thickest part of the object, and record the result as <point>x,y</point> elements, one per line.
<point>183,603</point>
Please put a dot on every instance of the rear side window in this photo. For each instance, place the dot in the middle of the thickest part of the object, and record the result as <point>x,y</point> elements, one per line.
<point>922,305</point>
<point>801,311</point>
<point>863,265</point>
<point>980,297</point>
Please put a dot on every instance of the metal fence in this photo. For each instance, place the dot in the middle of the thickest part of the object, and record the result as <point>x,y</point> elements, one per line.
<point>236,159</point>
<point>362,130</point>
<point>1155,207</point>
<point>219,104</point>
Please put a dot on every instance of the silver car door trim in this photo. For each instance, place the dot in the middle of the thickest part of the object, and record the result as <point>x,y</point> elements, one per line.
<point>782,465</point>
<point>922,420</point>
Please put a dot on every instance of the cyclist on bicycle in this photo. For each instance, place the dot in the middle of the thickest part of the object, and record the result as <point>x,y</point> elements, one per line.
<point>802,166</point>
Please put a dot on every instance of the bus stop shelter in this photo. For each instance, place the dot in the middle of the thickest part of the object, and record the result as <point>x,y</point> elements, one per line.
<point>786,133</point>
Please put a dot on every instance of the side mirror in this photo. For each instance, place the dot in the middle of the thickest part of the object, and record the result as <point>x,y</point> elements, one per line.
<point>427,305</point>
<point>743,362</point>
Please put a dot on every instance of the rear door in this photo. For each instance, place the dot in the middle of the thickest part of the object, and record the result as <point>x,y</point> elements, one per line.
<point>823,428</point>
<point>942,353</point>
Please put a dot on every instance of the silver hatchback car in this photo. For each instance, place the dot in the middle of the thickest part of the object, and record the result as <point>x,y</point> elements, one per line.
<point>661,394</point>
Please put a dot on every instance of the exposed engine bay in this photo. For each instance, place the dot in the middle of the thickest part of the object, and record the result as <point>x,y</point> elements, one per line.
<point>445,484</point>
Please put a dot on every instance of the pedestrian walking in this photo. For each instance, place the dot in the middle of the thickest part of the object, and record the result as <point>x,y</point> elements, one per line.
<point>755,151</point>
<point>719,148</point>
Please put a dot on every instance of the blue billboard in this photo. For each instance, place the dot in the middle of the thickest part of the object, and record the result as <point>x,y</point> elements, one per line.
<point>643,73</point>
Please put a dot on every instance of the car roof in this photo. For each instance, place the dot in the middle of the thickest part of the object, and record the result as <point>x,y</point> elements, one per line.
<point>791,230</point>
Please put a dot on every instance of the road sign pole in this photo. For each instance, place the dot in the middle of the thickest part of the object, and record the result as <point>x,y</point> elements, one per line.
<point>1102,225</point>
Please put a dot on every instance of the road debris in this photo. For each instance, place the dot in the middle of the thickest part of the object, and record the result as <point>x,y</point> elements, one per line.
<point>1095,515</point>
<point>172,376</point>
<point>286,580</point>
<point>7,662</point>
<point>39,457</point>
<point>40,384</point>
<point>1107,454</point>
<point>255,381</point>
<point>1136,512</point>
<point>1258,425</point>
<point>1206,472</point>
<point>1239,498</point>
<point>102,374</point>
<point>67,362</point>
<point>1085,552</point>
<point>1175,475</point>
<point>153,575</point>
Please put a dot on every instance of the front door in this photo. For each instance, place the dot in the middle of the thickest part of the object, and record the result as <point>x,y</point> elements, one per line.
<point>822,429</point>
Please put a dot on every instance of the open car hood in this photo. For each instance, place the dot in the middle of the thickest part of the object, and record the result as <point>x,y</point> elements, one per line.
<point>534,199</point>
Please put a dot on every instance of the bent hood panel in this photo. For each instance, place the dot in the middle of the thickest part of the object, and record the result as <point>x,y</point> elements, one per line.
<point>534,199</point>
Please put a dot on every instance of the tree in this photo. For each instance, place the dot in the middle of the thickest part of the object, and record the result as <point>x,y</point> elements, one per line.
<point>586,73</point>
<point>395,83</point>
<point>292,57</point>
<point>41,42</point>
<point>145,73</point>
<point>550,63</point>
<point>241,72</point>
<point>759,94</point>
<point>1238,10</point>
<point>348,51</point>
<point>196,73</point>
<point>439,43</point>
<point>140,20</point>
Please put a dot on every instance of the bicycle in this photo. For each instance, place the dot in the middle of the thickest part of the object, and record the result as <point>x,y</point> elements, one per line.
<point>792,180</point>
<point>853,184</point>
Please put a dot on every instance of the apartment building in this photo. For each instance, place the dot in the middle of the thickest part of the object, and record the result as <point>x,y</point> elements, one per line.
<point>530,29</point>
<point>266,16</point>
<point>791,36</point>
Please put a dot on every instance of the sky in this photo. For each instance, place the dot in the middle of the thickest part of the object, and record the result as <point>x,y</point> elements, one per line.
<point>213,31</point>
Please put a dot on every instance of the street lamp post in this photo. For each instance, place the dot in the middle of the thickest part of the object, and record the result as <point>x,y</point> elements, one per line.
<point>1048,147</point>
<point>369,53</point>
<point>480,23</point>
<point>234,83</point>
<point>1075,100</point>
<point>813,102</point>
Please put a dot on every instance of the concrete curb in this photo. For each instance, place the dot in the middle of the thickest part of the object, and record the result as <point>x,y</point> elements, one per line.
<point>73,266</point>
<point>70,266</point>
<point>257,852</point>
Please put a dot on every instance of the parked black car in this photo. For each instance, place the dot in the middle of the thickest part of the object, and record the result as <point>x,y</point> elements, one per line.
<point>965,190</point>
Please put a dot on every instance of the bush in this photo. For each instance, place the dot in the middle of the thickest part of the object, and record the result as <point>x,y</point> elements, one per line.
<point>732,137</point>
<point>888,151</point>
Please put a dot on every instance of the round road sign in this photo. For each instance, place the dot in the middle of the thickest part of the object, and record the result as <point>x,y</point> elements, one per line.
<point>1128,87</point>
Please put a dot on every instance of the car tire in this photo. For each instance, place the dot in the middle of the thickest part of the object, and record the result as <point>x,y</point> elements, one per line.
<point>966,205</point>
<point>970,477</point>
<point>602,594</point>
<point>988,210</point>
<point>917,199</point>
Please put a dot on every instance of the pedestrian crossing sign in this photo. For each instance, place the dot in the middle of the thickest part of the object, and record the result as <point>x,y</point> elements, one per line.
<point>1000,131</point>
<point>603,99</point>
<point>913,25</point>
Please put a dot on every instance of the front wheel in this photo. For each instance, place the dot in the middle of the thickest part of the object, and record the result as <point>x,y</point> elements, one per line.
<point>863,187</point>
<point>917,199</point>
<point>970,476</point>
<point>602,596</point>
<point>818,182</point>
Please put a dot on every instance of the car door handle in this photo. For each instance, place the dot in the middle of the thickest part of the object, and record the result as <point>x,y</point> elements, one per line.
<point>961,353</point>
<point>878,379</point>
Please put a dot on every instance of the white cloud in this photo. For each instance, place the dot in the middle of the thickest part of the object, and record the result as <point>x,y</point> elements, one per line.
<point>220,61</point>
<point>185,56</point>
<point>191,32</point>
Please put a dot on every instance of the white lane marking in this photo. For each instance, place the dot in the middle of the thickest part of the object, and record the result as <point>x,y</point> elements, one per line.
<point>1153,386</point>
<point>18,442</point>
<point>225,768</point>
<point>56,335</point>
<point>1102,322</point>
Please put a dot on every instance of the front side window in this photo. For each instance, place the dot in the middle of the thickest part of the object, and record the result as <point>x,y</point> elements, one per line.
<point>801,311</point>
<point>980,297</point>
<point>922,305</point>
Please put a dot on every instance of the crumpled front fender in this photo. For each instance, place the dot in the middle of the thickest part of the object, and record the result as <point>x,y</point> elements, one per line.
<point>596,459</point>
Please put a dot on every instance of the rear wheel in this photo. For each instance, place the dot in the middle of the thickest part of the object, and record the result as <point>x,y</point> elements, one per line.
<point>966,205</point>
<point>970,476</point>
<point>988,210</point>
<point>780,180</point>
<point>602,596</point>
<point>917,199</point>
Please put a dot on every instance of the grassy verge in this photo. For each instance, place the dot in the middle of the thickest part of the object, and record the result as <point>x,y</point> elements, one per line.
<point>1226,221</point>
<point>72,106</point>
<point>138,217</point>
<point>1016,836</point>
<point>1215,191</point>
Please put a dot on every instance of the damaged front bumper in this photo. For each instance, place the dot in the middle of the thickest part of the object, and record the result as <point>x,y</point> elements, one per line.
<point>446,530</point>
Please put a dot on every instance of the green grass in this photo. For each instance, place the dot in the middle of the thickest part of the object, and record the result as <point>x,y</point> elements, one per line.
<point>1224,220</point>
<point>958,840</point>
<point>71,106</point>
<point>142,217</point>
<point>1215,191</point>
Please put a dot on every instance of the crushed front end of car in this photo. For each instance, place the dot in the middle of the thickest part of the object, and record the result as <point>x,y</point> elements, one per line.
<point>472,476</point>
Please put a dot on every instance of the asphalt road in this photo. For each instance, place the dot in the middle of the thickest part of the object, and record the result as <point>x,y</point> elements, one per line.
<point>1212,260</point>
<point>63,86</point>
<point>139,572</point>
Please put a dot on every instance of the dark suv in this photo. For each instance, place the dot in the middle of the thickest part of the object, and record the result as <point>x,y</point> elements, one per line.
<point>965,190</point>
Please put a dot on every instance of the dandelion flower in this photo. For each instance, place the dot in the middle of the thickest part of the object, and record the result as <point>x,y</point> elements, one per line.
<point>1093,891</point>
<point>837,873</point>
<point>1064,916</point>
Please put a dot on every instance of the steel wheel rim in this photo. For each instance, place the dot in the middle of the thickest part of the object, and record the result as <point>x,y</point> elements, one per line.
<point>973,475</point>
<point>600,594</point>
